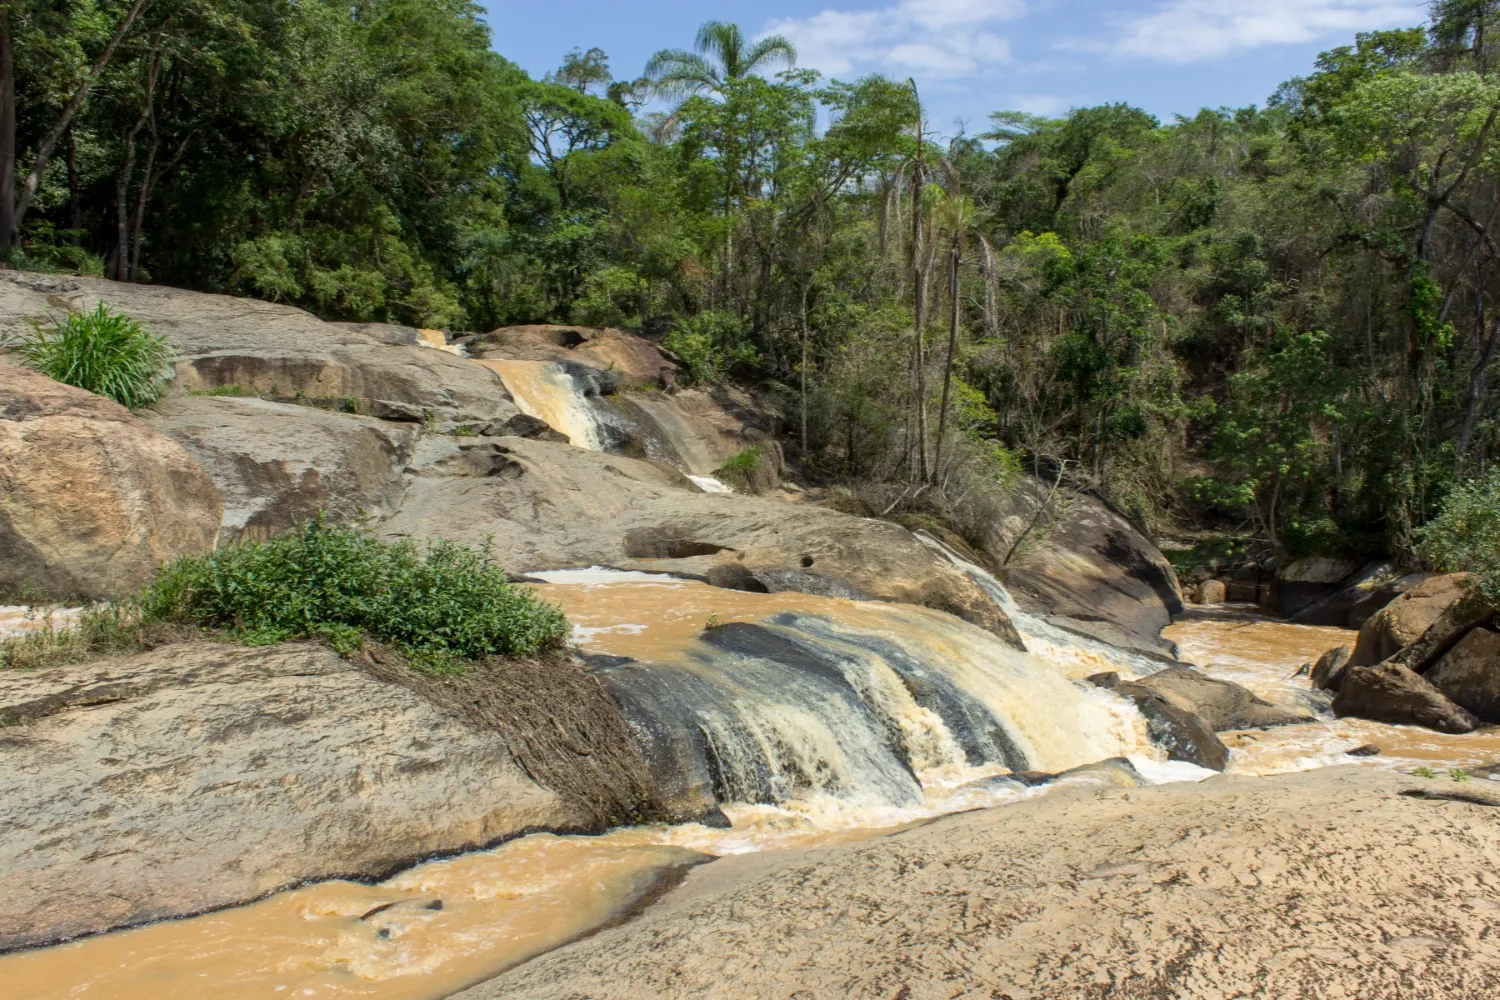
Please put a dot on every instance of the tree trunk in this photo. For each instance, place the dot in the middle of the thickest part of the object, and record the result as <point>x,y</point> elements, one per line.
<point>803,380</point>
<point>49,142</point>
<point>8,222</point>
<point>122,204</point>
<point>75,194</point>
<point>1477,380</point>
<point>937,459</point>
<point>919,299</point>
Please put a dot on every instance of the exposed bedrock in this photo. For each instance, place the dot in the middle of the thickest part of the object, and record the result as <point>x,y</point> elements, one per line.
<point>547,506</point>
<point>1236,887</point>
<point>92,498</point>
<point>277,351</point>
<point>202,775</point>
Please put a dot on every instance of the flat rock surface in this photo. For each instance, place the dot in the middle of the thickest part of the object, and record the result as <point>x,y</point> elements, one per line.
<point>542,505</point>
<point>1318,885</point>
<point>202,774</point>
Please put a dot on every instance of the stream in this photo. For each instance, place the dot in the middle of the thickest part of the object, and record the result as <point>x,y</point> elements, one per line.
<point>811,769</point>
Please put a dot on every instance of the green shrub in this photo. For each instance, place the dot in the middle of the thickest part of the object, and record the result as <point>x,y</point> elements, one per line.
<point>712,345</point>
<point>342,585</point>
<point>107,353</point>
<point>1465,536</point>
<point>96,631</point>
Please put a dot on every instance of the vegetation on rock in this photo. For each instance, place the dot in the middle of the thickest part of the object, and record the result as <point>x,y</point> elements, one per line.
<point>103,352</point>
<point>1276,321</point>
<point>321,581</point>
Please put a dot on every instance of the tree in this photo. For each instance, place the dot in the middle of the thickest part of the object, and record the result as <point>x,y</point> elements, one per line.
<point>721,54</point>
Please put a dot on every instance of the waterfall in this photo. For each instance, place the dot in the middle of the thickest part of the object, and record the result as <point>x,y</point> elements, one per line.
<point>547,392</point>
<point>1079,655</point>
<point>803,697</point>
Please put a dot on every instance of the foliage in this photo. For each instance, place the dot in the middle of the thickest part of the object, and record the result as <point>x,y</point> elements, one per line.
<point>343,585</point>
<point>1465,536</point>
<point>93,632</point>
<point>711,345</point>
<point>104,352</point>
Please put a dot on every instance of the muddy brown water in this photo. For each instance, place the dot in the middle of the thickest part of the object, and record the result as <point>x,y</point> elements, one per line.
<point>442,926</point>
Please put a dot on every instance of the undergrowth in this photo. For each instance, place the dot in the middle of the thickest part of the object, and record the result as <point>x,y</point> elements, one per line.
<point>442,608</point>
<point>103,352</point>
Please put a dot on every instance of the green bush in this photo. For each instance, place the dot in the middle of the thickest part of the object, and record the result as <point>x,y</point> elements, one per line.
<point>1465,536</point>
<point>712,345</point>
<point>342,584</point>
<point>107,353</point>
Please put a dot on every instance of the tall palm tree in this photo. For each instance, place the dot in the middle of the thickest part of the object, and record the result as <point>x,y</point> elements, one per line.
<point>721,54</point>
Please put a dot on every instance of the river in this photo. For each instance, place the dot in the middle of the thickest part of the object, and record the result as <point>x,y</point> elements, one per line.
<point>814,770</point>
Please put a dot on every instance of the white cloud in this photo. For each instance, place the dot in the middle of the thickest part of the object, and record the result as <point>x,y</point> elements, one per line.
<point>934,38</point>
<point>1046,105</point>
<point>1184,31</point>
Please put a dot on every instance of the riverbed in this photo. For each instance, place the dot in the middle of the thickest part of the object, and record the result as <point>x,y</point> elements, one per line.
<point>437,928</point>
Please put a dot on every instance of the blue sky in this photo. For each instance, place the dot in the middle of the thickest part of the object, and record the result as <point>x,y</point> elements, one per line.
<point>971,57</point>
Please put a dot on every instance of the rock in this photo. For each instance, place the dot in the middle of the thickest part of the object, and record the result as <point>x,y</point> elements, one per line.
<point>1463,614</point>
<point>1328,672</point>
<point>1490,771</point>
<point>1212,592</point>
<point>638,361</point>
<point>1221,704</point>
<point>1137,888</point>
<point>1183,735</point>
<point>1353,604</point>
<point>92,498</point>
<point>524,426</point>
<point>548,506</point>
<point>1389,692</point>
<point>1109,680</point>
<point>277,351</point>
<point>1469,674</point>
<point>1402,622</point>
<point>277,465</point>
<point>700,431</point>
<point>1090,565</point>
<point>1306,581</point>
<point>1368,750</point>
<point>203,775</point>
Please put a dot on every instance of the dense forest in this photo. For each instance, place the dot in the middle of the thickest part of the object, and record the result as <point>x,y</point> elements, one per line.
<point>1276,323</point>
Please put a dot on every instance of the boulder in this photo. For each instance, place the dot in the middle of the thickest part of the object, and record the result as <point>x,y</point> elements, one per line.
<point>1403,621</point>
<point>92,498</point>
<point>1389,692</point>
<point>1221,704</point>
<point>1176,729</point>
<point>1306,581</point>
<point>1212,592</point>
<point>1469,674</point>
<point>1328,672</point>
<point>277,465</point>
<point>203,775</point>
<point>1354,603</point>
<point>548,506</point>
<point>1090,564</point>
<point>277,351</point>
<point>1453,624</point>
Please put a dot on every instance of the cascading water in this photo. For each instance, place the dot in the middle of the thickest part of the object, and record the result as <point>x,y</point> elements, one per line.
<point>755,698</point>
<point>547,392</point>
<point>1077,655</point>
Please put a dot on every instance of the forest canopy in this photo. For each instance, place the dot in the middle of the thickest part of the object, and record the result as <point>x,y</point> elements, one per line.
<point>1273,321</point>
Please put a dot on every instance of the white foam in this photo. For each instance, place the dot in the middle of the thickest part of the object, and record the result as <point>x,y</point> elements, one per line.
<point>708,484</point>
<point>1169,772</point>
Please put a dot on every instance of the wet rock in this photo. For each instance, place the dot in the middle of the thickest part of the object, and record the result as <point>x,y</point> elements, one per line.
<point>1109,680</point>
<point>1490,771</point>
<point>1091,565</point>
<point>1222,705</point>
<point>1301,583</point>
<point>1328,672</point>
<point>1403,621</point>
<point>1368,750</point>
<point>524,426</point>
<point>203,775</point>
<point>1212,592</point>
<point>638,361</point>
<point>1389,692</point>
<point>1183,735</point>
<point>276,465</point>
<point>1354,603</point>
<point>1469,674</point>
<point>92,498</point>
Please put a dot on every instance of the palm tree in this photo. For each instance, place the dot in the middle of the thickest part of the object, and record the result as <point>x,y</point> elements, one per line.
<point>721,54</point>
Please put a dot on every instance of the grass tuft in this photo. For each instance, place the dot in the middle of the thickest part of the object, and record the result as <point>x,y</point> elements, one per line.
<point>103,352</point>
